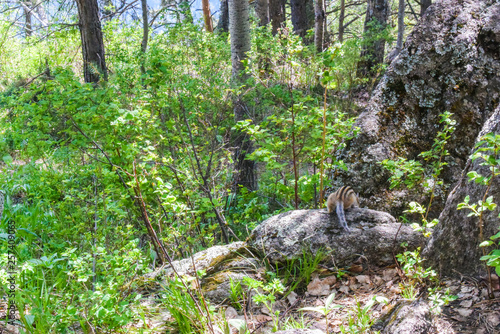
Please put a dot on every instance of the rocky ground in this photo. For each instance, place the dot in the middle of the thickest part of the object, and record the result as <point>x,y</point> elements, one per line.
<point>471,312</point>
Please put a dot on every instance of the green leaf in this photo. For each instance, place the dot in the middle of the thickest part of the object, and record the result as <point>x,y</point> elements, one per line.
<point>7,159</point>
<point>486,243</point>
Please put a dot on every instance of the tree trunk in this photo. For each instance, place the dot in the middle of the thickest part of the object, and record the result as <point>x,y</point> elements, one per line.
<point>223,24</point>
<point>424,4</point>
<point>239,29</point>
<point>276,15</point>
<point>302,16</point>
<point>41,13</point>
<point>372,53</point>
<point>319,24</point>
<point>27,7</point>
<point>401,25</point>
<point>262,10</point>
<point>94,64</point>
<point>207,16</point>
<point>341,21</point>
<point>145,34</point>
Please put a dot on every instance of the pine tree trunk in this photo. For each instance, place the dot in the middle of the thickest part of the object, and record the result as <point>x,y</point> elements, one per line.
<point>401,25</point>
<point>262,10</point>
<point>372,53</point>
<point>145,34</point>
<point>276,15</point>
<point>207,16</point>
<point>41,13</point>
<point>319,24</point>
<point>239,29</point>
<point>27,7</point>
<point>302,14</point>
<point>223,24</point>
<point>424,4</point>
<point>94,64</point>
<point>341,21</point>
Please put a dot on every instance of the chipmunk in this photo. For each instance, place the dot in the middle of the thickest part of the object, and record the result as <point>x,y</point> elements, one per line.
<point>343,198</point>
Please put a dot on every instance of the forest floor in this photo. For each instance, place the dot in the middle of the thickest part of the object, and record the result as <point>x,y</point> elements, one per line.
<point>472,311</point>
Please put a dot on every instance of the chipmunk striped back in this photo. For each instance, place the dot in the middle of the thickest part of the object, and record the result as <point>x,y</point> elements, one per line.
<point>344,197</point>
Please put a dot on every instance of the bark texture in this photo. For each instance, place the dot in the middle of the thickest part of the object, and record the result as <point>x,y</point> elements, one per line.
<point>372,54</point>
<point>28,28</point>
<point>302,16</point>
<point>262,10</point>
<point>145,34</point>
<point>401,25</point>
<point>454,245</point>
<point>287,235</point>
<point>319,15</point>
<point>207,16</point>
<point>276,14</point>
<point>94,64</point>
<point>239,27</point>
<point>450,62</point>
<point>223,24</point>
<point>341,20</point>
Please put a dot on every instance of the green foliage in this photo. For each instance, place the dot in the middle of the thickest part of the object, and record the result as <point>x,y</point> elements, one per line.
<point>412,173</point>
<point>324,310</point>
<point>360,319</point>
<point>266,294</point>
<point>273,137</point>
<point>487,150</point>
<point>188,316</point>
<point>236,293</point>
<point>298,272</point>
<point>75,156</point>
<point>416,276</point>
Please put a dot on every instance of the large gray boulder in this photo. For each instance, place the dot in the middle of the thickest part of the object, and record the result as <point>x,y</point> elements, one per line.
<point>373,236</point>
<point>454,245</point>
<point>450,62</point>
